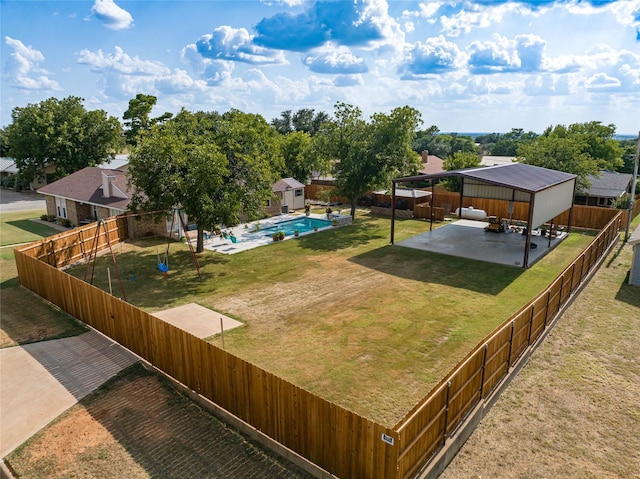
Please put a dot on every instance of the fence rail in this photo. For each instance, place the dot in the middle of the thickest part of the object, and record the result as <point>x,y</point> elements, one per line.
<point>336,439</point>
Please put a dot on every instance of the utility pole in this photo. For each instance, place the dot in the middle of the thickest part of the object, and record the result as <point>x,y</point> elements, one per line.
<point>634,182</point>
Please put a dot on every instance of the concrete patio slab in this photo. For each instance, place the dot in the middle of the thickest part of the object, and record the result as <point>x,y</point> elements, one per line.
<point>467,239</point>
<point>197,320</point>
<point>42,380</point>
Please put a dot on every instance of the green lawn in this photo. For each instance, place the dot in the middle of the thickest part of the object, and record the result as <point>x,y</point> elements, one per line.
<point>25,316</point>
<point>17,227</point>
<point>369,326</point>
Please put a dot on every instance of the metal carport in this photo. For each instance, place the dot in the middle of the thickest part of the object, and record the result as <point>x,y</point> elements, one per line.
<point>548,192</point>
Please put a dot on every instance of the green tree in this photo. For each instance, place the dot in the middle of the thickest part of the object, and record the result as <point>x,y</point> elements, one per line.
<point>628,155</point>
<point>4,147</point>
<point>368,155</point>
<point>62,133</point>
<point>582,149</point>
<point>137,116</point>
<point>458,161</point>
<point>440,144</point>
<point>299,162</point>
<point>305,120</point>
<point>213,167</point>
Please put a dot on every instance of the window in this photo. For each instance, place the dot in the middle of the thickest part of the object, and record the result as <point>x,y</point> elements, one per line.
<point>61,207</point>
<point>299,193</point>
<point>95,212</point>
<point>268,203</point>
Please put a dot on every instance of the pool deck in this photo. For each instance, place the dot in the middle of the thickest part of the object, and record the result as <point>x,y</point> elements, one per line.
<point>249,240</point>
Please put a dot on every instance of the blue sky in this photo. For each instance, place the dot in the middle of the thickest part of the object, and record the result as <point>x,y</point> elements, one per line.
<point>467,66</point>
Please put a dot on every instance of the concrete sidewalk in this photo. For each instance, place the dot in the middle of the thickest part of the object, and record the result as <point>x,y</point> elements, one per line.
<point>42,380</point>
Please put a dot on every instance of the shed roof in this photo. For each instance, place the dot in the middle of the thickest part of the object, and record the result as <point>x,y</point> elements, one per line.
<point>527,178</point>
<point>405,193</point>
<point>287,184</point>
<point>8,165</point>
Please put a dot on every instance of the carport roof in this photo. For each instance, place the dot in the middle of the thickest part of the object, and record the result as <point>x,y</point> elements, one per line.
<point>527,178</point>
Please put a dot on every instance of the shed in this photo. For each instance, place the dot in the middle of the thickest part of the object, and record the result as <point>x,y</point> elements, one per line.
<point>634,241</point>
<point>406,199</point>
<point>291,193</point>
<point>548,192</point>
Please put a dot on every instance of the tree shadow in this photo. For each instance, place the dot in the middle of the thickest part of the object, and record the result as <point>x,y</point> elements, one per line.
<point>144,283</point>
<point>427,267</point>
<point>334,239</point>
<point>33,227</point>
<point>628,293</point>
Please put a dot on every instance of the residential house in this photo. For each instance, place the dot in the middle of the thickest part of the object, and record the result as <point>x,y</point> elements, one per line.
<point>431,164</point>
<point>88,195</point>
<point>7,168</point>
<point>604,189</point>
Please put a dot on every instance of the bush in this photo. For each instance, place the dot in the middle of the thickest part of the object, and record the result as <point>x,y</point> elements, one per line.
<point>622,203</point>
<point>44,217</point>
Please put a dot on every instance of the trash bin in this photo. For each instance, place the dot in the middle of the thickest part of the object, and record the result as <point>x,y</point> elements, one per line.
<point>285,209</point>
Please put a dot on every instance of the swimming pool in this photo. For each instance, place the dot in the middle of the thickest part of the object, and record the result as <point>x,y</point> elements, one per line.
<point>301,224</point>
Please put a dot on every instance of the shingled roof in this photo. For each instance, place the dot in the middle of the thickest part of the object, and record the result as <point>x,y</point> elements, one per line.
<point>85,186</point>
<point>609,184</point>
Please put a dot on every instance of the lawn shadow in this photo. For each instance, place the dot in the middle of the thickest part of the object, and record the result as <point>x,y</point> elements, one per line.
<point>335,239</point>
<point>144,284</point>
<point>33,227</point>
<point>427,267</point>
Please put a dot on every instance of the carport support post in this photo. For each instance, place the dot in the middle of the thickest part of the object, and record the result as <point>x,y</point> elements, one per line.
<point>461,196</point>
<point>433,187</point>
<point>527,244</point>
<point>393,209</point>
<point>575,185</point>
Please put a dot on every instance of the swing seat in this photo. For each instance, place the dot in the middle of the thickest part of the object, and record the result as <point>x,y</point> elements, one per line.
<point>163,267</point>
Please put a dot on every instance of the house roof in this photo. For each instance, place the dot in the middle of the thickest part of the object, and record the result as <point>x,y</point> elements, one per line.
<point>8,165</point>
<point>609,184</point>
<point>85,186</point>
<point>518,176</point>
<point>287,184</point>
<point>490,160</point>
<point>432,165</point>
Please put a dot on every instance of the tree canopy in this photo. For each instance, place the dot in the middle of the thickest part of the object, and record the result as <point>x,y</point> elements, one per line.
<point>62,133</point>
<point>458,161</point>
<point>213,167</point>
<point>582,149</point>
<point>304,120</point>
<point>367,155</point>
<point>137,116</point>
<point>442,144</point>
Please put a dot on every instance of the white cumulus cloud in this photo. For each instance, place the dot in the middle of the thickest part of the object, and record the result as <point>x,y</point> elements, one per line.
<point>24,70</point>
<point>120,62</point>
<point>113,16</point>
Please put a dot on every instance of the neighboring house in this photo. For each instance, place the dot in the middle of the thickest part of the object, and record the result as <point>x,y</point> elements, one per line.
<point>288,196</point>
<point>634,241</point>
<point>88,195</point>
<point>431,164</point>
<point>604,189</point>
<point>7,168</point>
<point>497,160</point>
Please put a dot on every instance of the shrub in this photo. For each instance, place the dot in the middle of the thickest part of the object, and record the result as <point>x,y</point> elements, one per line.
<point>44,217</point>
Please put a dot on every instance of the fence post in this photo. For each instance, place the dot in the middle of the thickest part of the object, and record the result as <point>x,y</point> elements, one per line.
<point>546,308</point>
<point>533,307</point>
<point>446,413</point>
<point>513,327</point>
<point>560,301</point>
<point>484,363</point>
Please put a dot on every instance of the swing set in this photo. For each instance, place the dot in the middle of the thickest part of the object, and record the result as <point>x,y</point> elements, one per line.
<point>162,264</point>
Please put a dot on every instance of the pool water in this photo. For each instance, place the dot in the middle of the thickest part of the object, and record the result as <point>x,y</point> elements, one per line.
<point>301,224</point>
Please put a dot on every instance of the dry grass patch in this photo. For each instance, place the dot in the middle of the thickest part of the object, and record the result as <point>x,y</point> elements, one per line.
<point>573,411</point>
<point>138,426</point>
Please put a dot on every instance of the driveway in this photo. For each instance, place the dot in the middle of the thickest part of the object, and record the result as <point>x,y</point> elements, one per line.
<point>20,201</point>
<point>42,380</point>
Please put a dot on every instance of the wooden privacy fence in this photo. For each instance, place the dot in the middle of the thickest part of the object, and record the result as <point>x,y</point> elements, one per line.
<point>336,439</point>
<point>330,436</point>
<point>424,430</point>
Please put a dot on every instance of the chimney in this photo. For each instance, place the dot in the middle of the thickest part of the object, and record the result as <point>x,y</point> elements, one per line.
<point>106,184</point>
<point>425,156</point>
